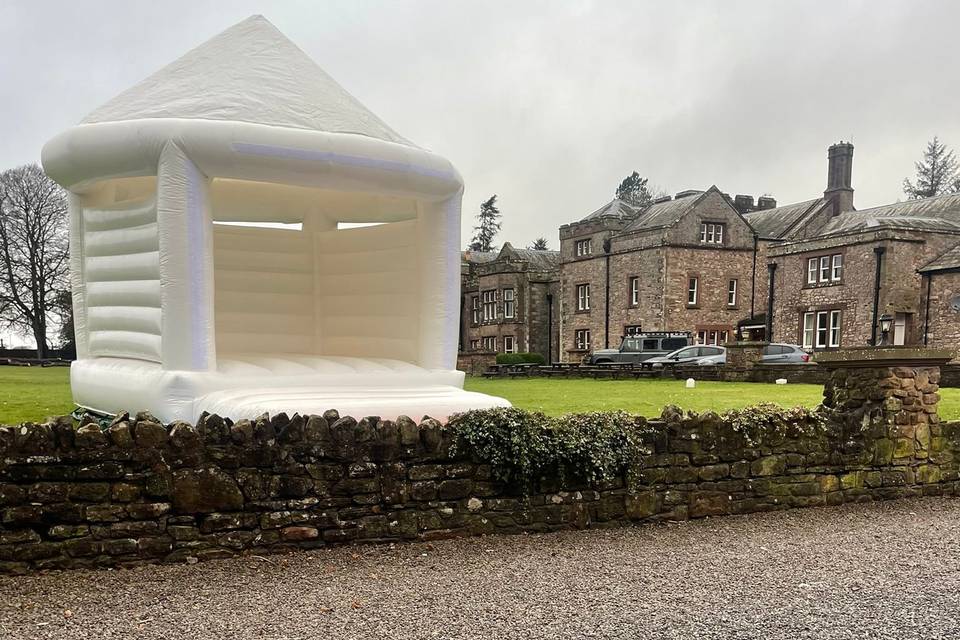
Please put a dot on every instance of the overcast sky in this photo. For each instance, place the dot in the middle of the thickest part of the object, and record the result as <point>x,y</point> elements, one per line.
<point>550,104</point>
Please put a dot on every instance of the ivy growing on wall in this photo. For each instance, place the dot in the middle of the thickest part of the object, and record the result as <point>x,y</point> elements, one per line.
<point>523,446</point>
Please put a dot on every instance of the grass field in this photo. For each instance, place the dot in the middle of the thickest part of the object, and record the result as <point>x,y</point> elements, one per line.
<point>33,393</point>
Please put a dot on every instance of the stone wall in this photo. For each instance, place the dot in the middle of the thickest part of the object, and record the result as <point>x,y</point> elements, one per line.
<point>140,492</point>
<point>475,363</point>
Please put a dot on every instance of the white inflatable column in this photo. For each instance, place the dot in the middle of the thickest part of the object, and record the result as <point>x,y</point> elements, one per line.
<point>438,250</point>
<point>78,287</point>
<point>186,263</point>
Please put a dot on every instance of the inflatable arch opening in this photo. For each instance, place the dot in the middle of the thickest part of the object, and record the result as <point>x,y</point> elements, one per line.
<point>209,268</point>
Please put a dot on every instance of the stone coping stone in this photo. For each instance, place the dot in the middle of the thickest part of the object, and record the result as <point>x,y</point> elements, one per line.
<point>884,357</point>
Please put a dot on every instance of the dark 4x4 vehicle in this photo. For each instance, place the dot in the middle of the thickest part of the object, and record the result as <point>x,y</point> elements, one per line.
<point>640,347</point>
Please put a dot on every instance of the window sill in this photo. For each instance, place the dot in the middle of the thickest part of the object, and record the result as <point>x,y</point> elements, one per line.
<point>822,285</point>
<point>693,306</point>
<point>582,311</point>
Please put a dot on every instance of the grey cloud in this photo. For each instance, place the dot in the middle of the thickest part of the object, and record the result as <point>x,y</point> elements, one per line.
<point>550,104</point>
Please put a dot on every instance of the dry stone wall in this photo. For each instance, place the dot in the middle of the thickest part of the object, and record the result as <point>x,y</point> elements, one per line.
<point>138,491</point>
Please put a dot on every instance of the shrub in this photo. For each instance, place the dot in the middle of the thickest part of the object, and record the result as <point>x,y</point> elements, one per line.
<point>520,358</point>
<point>524,446</point>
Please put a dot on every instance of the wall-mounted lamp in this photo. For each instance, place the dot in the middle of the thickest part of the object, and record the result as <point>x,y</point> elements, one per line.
<point>886,322</point>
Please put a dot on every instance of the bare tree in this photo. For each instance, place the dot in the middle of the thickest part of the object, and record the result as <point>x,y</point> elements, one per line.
<point>34,261</point>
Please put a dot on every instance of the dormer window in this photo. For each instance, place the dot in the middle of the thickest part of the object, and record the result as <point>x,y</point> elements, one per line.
<point>583,248</point>
<point>711,233</point>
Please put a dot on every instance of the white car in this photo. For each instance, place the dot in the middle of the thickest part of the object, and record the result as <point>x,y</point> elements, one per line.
<point>772,353</point>
<point>687,355</point>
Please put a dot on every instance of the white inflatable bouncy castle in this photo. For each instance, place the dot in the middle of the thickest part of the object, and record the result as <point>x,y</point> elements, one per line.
<point>179,312</point>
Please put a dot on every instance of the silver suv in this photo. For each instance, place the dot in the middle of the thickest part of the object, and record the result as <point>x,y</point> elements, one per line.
<point>641,347</point>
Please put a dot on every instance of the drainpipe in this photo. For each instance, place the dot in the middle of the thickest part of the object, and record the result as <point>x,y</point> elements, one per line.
<point>878,251</point>
<point>549,328</point>
<point>772,269</point>
<point>926,310</point>
<point>606,296</point>
<point>753,277</point>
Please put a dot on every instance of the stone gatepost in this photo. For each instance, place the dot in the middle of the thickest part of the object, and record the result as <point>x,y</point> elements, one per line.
<point>742,357</point>
<point>886,398</point>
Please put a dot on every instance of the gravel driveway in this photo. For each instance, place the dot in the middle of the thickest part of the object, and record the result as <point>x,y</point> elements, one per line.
<point>887,570</point>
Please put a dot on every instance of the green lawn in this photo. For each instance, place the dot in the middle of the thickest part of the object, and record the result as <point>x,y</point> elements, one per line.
<point>647,397</point>
<point>33,393</point>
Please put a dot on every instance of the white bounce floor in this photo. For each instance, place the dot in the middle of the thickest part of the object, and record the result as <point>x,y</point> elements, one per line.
<point>247,385</point>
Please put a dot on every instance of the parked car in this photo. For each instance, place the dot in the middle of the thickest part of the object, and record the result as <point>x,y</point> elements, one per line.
<point>772,353</point>
<point>641,347</point>
<point>688,355</point>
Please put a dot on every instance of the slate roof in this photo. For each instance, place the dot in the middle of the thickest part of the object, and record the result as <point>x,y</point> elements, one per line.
<point>663,214</point>
<point>540,260</point>
<point>776,223</point>
<point>939,213</point>
<point>478,257</point>
<point>616,208</point>
<point>950,259</point>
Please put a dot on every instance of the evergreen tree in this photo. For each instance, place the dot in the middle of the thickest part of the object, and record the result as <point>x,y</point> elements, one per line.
<point>488,227</point>
<point>634,190</point>
<point>936,173</point>
<point>540,244</point>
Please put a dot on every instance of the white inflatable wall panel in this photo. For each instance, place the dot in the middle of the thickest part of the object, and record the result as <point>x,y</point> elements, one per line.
<point>264,289</point>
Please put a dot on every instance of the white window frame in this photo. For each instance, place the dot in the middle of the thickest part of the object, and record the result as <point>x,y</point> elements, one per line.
<point>835,320</point>
<point>509,308</point>
<point>812,270</point>
<point>632,330</point>
<point>489,305</point>
<point>634,291</point>
<point>836,268</point>
<point>583,247</point>
<point>809,329</point>
<point>474,345</point>
<point>732,292</point>
<point>475,309</point>
<point>824,268</point>
<point>693,291</point>
<point>821,329</point>
<point>489,343</point>
<point>581,339</point>
<point>583,297</point>
<point>711,232</point>
<point>509,344</point>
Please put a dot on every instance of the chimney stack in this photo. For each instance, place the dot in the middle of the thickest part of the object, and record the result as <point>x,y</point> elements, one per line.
<point>839,177</point>
<point>743,204</point>
<point>766,202</point>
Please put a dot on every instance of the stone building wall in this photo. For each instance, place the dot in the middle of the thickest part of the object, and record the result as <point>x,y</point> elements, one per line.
<point>141,492</point>
<point>530,327</point>
<point>901,290</point>
<point>576,270</point>
<point>944,309</point>
<point>590,271</point>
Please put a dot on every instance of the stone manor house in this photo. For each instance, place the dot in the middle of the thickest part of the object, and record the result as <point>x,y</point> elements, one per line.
<point>818,273</point>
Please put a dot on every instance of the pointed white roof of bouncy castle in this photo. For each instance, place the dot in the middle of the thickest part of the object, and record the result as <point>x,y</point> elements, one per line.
<point>249,73</point>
